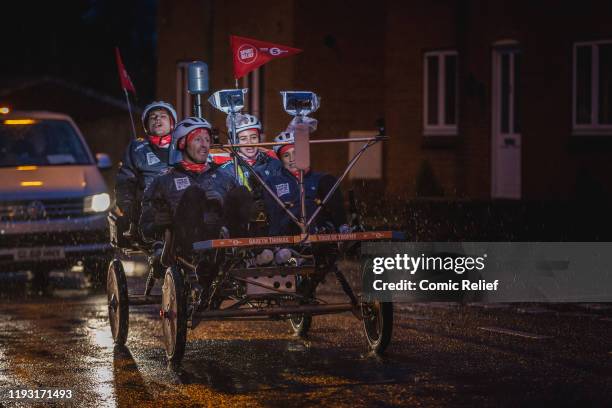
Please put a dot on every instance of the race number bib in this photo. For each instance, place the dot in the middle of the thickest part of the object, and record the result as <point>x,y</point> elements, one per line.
<point>181,183</point>
<point>152,159</point>
<point>282,189</point>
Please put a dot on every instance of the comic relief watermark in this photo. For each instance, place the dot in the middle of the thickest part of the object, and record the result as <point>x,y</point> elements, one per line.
<point>487,271</point>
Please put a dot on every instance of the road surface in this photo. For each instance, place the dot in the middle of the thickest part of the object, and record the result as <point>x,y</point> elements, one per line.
<point>442,354</point>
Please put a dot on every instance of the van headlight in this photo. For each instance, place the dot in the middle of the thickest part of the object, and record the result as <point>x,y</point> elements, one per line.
<point>97,203</point>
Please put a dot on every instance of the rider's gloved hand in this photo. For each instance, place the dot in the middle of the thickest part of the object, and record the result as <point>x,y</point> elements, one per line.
<point>162,220</point>
<point>214,196</point>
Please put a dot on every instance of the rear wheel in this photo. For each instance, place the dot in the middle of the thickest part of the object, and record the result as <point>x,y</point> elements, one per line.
<point>377,324</point>
<point>174,315</point>
<point>118,306</point>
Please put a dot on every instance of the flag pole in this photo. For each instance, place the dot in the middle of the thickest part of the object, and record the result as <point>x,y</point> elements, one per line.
<point>129,106</point>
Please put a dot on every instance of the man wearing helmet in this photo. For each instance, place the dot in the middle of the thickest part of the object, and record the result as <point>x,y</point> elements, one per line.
<point>316,186</point>
<point>263,161</point>
<point>145,158</point>
<point>192,194</point>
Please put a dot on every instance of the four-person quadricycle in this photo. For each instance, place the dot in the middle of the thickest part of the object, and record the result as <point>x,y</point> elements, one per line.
<point>217,281</point>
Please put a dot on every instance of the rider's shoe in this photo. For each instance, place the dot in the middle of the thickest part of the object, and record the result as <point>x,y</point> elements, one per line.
<point>345,229</point>
<point>282,256</point>
<point>265,257</point>
<point>286,256</point>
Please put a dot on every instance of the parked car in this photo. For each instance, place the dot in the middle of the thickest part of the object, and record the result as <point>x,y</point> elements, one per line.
<point>53,199</point>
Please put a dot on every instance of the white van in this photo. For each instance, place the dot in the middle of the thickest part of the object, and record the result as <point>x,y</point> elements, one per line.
<point>53,199</point>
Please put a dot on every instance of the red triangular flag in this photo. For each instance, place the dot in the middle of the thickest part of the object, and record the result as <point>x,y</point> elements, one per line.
<point>126,82</point>
<point>249,54</point>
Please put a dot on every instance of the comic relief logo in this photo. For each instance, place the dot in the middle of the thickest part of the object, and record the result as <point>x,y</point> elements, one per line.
<point>247,53</point>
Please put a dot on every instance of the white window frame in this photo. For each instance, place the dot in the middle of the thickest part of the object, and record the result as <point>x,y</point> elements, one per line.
<point>183,106</point>
<point>439,129</point>
<point>594,127</point>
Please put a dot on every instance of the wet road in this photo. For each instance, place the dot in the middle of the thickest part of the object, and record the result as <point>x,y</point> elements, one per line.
<point>441,355</point>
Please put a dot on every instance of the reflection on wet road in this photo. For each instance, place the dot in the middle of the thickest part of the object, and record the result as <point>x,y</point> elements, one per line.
<point>441,355</point>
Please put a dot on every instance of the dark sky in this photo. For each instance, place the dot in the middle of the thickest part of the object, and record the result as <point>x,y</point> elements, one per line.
<point>75,40</point>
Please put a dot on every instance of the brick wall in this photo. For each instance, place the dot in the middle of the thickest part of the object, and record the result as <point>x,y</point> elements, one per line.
<point>200,29</point>
<point>413,28</point>
<point>366,62</point>
<point>343,62</point>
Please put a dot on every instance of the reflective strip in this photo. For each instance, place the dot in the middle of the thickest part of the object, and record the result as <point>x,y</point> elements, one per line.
<point>292,240</point>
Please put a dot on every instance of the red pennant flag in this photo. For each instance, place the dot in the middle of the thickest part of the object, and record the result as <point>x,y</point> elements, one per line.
<point>249,54</point>
<point>126,82</point>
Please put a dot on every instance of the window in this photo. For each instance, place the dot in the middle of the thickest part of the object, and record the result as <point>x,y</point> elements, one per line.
<point>592,96</point>
<point>254,81</point>
<point>183,98</point>
<point>440,93</point>
<point>41,142</point>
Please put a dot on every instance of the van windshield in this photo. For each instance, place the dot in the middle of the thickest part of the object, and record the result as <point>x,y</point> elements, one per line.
<point>40,142</point>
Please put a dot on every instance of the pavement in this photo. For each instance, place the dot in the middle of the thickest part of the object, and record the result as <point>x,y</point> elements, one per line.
<point>442,354</point>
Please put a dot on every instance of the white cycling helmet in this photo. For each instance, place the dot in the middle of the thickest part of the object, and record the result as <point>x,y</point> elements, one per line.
<point>182,129</point>
<point>187,125</point>
<point>157,105</point>
<point>283,137</point>
<point>244,121</point>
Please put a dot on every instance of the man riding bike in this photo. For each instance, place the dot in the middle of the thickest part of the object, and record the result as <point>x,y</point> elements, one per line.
<point>285,184</point>
<point>191,196</point>
<point>144,159</point>
<point>263,161</point>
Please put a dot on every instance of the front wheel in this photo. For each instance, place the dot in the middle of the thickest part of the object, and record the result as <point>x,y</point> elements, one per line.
<point>174,315</point>
<point>377,324</point>
<point>118,306</point>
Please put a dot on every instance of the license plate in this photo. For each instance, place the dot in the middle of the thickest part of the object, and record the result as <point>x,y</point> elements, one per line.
<point>39,254</point>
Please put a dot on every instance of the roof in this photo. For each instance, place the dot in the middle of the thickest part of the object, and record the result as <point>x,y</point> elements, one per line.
<point>23,84</point>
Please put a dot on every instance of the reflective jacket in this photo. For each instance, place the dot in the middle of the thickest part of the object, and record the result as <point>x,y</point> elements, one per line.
<point>142,162</point>
<point>166,191</point>
<point>266,165</point>
<point>286,187</point>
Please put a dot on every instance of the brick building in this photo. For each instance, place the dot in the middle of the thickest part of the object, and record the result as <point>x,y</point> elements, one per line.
<point>505,99</point>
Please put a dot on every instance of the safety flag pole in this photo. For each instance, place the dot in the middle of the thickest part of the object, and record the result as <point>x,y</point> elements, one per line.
<point>129,106</point>
<point>127,85</point>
